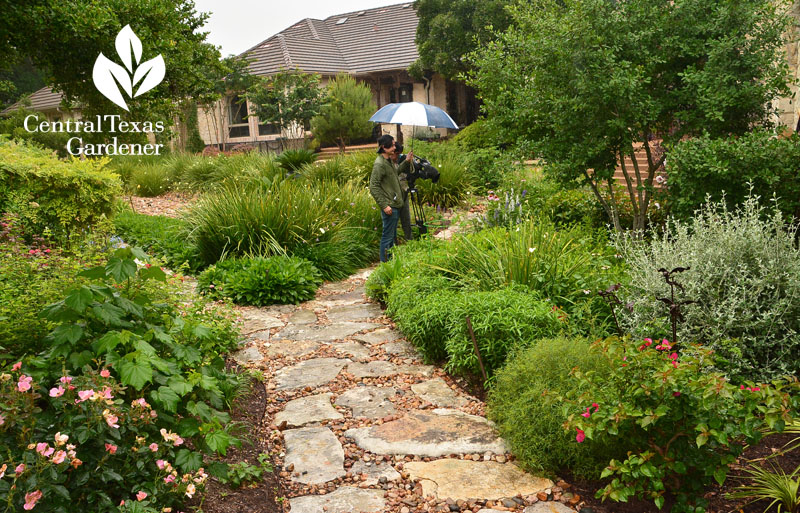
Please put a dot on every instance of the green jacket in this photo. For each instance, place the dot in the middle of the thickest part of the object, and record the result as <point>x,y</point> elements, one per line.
<point>384,184</point>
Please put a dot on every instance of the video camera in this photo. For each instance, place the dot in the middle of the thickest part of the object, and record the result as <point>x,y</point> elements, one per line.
<point>421,168</point>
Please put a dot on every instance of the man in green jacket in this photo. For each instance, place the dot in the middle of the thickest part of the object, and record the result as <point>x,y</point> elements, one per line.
<point>384,185</point>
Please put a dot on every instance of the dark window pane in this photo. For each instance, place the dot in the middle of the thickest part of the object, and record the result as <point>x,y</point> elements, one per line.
<point>239,131</point>
<point>268,129</point>
<point>238,109</point>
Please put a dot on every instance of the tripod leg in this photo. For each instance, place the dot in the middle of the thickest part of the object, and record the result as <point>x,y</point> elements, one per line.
<point>419,214</point>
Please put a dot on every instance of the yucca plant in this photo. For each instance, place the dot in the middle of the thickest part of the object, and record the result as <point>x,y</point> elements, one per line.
<point>293,160</point>
<point>454,186</point>
<point>773,485</point>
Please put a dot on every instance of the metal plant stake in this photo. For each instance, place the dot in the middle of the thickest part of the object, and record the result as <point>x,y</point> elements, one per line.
<point>675,314</point>
<point>613,301</point>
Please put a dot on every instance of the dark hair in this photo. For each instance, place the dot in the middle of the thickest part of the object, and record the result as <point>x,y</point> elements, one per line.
<point>384,141</point>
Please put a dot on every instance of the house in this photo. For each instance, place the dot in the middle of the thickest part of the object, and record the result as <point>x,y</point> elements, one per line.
<point>375,46</point>
<point>48,102</point>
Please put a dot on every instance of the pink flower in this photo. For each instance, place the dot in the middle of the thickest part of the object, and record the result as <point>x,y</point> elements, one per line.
<point>140,496</point>
<point>190,490</point>
<point>60,439</point>
<point>59,457</point>
<point>586,413</point>
<point>111,419</point>
<point>16,366</point>
<point>111,448</point>
<point>673,356</point>
<point>104,373</point>
<point>66,379</point>
<point>24,383</point>
<point>756,389</point>
<point>106,393</point>
<point>581,436</point>
<point>44,449</point>
<point>741,387</point>
<point>20,469</point>
<point>2,420</point>
<point>170,478</point>
<point>154,447</point>
<point>596,407</point>
<point>84,395</point>
<point>3,470</point>
<point>648,341</point>
<point>57,391</point>
<point>31,499</point>
<point>676,394</point>
<point>161,464</point>
<point>178,441</point>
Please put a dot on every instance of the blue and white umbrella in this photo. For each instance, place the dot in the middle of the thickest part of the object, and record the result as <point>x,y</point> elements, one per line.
<point>413,113</point>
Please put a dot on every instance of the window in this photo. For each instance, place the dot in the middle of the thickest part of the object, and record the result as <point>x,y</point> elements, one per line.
<point>237,122</point>
<point>401,94</point>
<point>269,129</point>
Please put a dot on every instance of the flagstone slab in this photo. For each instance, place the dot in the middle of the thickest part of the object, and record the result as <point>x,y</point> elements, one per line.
<point>548,507</point>
<point>379,336</point>
<point>292,348</point>
<point>329,333</point>
<point>337,287</point>
<point>436,392</point>
<point>348,298</point>
<point>400,347</point>
<point>303,316</point>
<point>368,401</point>
<point>425,371</point>
<point>352,349</point>
<point>346,499</point>
<point>316,454</point>
<point>373,369</point>
<point>430,433</point>
<point>313,373</point>
<point>464,479</point>
<point>257,320</point>
<point>354,312</point>
<point>247,356</point>
<point>374,472</point>
<point>305,410</point>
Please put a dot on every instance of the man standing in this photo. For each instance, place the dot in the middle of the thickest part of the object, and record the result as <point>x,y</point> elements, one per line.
<point>384,185</point>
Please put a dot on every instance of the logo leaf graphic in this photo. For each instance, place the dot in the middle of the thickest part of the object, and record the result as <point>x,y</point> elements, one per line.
<point>152,72</point>
<point>103,75</point>
<point>126,42</point>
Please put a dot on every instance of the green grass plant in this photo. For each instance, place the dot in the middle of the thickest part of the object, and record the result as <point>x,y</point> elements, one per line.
<point>454,187</point>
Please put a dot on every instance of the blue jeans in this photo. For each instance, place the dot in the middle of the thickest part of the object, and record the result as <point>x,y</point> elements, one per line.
<point>389,231</point>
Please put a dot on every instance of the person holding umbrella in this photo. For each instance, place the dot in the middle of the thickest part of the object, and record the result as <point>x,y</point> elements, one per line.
<point>384,185</point>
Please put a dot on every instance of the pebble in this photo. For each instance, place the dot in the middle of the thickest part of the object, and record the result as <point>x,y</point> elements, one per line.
<point>542,496</point>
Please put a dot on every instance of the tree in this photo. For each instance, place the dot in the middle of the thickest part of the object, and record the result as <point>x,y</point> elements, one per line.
<point>237,79</point>
<point>346,112</point>
<point>579,82</point>
<point>64,39</point>
<point>450,29</point>
<point>289,99</point>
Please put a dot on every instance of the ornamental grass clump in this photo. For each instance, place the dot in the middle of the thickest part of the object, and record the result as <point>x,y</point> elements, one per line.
<point>682,423</point>
<point>744,265</point>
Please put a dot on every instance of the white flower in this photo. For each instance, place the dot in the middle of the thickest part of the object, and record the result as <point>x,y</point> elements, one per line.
<point>322,230</point>
<point>530,250</point>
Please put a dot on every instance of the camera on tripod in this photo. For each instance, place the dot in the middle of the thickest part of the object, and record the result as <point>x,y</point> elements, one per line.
<point>420,169</point>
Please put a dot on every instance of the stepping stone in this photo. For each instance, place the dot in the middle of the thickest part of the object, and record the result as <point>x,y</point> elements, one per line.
<point>368,401</point>
<point>416,370</point>
<point>316,454</point>
<point>354,349</point>
<point>303,316</point>
<point>258,320</point>
<point>313,373</point>
<point>548,507</point>
<point>379,336</point>
<point>330,333</point>
<point>464,479</point>
<point>431,434</point>
<point>484,510</point>
<point>436,392</point>
<point>337,287</point>
<point>293,348</point>
<point>354,312</point>
<point>363,275</point>
<point>346,499</point>
<point>375,472</point>
<point>400,347</point>
<point>349,298</point>
<point>373,369</point>
<point>247,356</point>
<point>314,408</point>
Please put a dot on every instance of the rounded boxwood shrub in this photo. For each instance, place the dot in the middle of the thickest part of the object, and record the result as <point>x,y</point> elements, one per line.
<point>532,425</point>
<point>261,281</point>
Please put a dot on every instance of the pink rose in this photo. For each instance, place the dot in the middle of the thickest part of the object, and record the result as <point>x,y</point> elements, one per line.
<point>581,436</point>
<point>16,366</point>
<point>111,448</point>
<point>170,478</point>
<point>20,469</point>
<point>83,395</point>
<point>31,499</point>
<point>140,496</point>
<point>66,379</point>
<point>42,448</point>
<point>57,391</point>
<point>2,420</point>
<point>161,464</point>
<point>112,420</point>
<point>59,457</point>
<point>106,393</point>
<point>154,447</point>
<point>24,383</point>
<point>3,470</point>
<point>104,373</point>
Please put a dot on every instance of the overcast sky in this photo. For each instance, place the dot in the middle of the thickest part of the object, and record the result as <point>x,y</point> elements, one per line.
<point>238,25</point>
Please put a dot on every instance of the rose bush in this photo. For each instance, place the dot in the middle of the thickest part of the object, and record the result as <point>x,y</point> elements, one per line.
<point>682,423</point>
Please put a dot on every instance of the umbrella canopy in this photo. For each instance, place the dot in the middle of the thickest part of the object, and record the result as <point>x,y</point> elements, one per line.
<point>413,113</point>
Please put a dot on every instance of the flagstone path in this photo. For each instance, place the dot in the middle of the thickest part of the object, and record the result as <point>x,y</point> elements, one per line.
<point>360,424</point>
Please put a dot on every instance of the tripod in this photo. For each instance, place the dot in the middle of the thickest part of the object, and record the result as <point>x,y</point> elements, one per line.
<point>416,207</point>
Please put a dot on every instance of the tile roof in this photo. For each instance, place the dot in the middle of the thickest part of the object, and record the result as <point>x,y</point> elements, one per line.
<point>379,39</point>
<point>43,99</point>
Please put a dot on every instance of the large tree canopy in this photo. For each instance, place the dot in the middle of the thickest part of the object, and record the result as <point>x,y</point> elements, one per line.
<point>64,39</point>
<point>345,114</point>
<point>450,29</point>
<point>579,82</point>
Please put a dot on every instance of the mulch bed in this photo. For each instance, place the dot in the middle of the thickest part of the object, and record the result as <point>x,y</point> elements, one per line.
<point>260,497</point>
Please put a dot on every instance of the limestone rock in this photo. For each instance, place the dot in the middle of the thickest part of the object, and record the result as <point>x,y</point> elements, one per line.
<point>354,312</point>
<point>400,347</point>
<point>330,333</point>
<point>464,479</point>
<point>436,392</point>
<point>379,336</point>
<point>247,356</point>
<point>353,349</point>
<point>293,348</point>
<point>316,454</point>
<point>346,499</point>
<point>373,369</point>
<point>302,316</point>
<point>375,472</point>
<point>548,507</point>
<point>305,410</point>
<point>313,373</point>
<point>368,401</point>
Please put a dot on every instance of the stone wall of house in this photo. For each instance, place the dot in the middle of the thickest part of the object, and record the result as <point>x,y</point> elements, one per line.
<point>788,108</point>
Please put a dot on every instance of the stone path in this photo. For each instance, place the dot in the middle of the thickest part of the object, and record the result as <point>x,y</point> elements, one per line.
<point>360,424</point>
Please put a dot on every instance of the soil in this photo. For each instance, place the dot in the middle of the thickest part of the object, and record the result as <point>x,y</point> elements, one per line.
<point>716,495</point>
<point>262,496</point>
<point>171,204</point>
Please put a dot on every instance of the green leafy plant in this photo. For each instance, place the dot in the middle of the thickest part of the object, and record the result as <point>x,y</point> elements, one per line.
<point>345,114</point>
<point>454,186</point>
<point>293,160</point>
<point>681,423</point>
<point>261,281</point>
<point>242,473</point>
